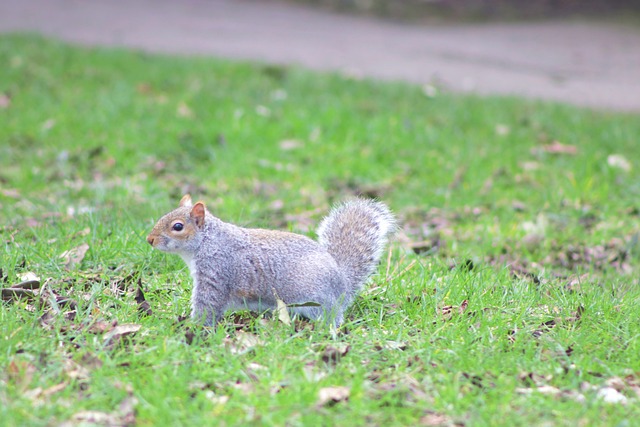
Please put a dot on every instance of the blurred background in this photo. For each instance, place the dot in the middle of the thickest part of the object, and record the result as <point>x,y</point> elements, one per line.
<point>482,10</point>
<point>582,52</point>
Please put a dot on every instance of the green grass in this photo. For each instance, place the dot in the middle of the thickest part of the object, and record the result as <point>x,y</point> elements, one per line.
<point>95,145</point>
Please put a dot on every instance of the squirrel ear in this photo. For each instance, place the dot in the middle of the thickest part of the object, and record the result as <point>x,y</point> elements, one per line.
<point>198,213</point>
<point>185,201</point>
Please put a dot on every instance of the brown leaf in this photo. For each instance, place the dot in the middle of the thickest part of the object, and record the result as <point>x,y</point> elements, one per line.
<point>183,110</point>
<point>20,373</point>
<point>14,294</point>
<point>54,389</point>
<point>290,144</point>
<point>391,345</point>
<point>91,361</point>
<point>333,354</point>
<point>143,306</point>
<point>124,416</point>
<point>558,148</point>
<point>281,309</point>
<point>5,100</point>
<point>114,336</point>
<point>27,284</point>
<point>243,342</point>
<point>73,257</point>
<point>75,371</point>
<point>332,395</point>
<point>435,419</point>
<point>12,193</point>
<point>619,161</point>
<point>100,327</point>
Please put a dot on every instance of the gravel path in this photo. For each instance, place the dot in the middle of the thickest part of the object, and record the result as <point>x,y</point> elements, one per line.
<point>589,64</point>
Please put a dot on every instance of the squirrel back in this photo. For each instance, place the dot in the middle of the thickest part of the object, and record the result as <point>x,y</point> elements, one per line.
<point>235,267</point>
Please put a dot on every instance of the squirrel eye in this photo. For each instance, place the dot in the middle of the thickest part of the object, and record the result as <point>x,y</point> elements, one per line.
<point>178,226</point>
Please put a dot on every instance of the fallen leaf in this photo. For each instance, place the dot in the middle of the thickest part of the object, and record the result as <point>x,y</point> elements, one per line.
<point>183,110</point>
<point>14,294</point>
<point>558,148</point>
<point>48,124</point>
<point>333,354</point>
<point>290,144</point>
<point>28,276</point>
<point>611,395</point>
<point>502,130</point>
<point>332,395</point>
<point>27,284</point>
<point>263,111</point>
<point>90,361</point>
<point>5,100</point>
<point>553,391</point>
<point>281,309</point>
<point>100,327</point>
<point>124,416</point>
<point>430,91</point>
<point>143,306</point>
<point>434,419</point>
<point>391,345</point>
<point>20,373</point>
<point>10,192</point>
<point>54,389</point>
<point>618,161</point>
<point>243,342</point>
<point>216,399</point>
<point>89,418</point>
<point>73,257</point>
<point>114,336</point>
<point>75,371</point>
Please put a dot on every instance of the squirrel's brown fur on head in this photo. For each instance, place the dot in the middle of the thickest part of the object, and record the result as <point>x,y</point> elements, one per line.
<point>179,225</point>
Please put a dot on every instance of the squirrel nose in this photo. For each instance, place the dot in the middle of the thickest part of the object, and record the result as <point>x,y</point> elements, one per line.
<point>150,239</point>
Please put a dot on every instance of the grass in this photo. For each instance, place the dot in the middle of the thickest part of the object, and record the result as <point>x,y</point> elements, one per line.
<point>510,298</point>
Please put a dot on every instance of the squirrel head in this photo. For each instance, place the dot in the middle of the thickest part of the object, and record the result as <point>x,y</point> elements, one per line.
<point>179,230</point>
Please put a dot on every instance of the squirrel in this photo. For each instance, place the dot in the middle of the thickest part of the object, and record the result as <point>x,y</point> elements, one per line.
<point>244,268</point>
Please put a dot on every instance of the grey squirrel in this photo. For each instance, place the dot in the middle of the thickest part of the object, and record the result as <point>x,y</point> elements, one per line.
<point>243,268</point>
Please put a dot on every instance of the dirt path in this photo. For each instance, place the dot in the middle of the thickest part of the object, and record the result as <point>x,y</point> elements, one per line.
<point>594,65</point>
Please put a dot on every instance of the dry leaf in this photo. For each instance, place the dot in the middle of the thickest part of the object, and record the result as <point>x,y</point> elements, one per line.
<point>5,100</point>
<point>54,389</point>
<point>611,395</point>
<point>10,192</point>
<point>20,373</point>
<point>290,144</point>
<point>143,306</point>
<point>558,148</point>
<point>183,110</point>
<point>243,342</point>
<point>116,334</point>
<point>391,345</point>
<point>27,284</point>
<point>124,416</point>
<point>14,294</point>
<point>618,161</point>
<point>332,395</point>
<point>73,257</point>
<point>502,130</point>
<point>29,275</point>
<point>281,309</point>
<point>263,111</point>
<point>333,354</point>
<point>434,419</point>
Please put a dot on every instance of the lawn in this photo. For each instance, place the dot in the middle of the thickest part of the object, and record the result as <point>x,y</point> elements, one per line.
<point>510,296</point>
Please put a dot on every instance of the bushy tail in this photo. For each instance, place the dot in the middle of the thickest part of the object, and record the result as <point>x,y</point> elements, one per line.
<point>355,234</point>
